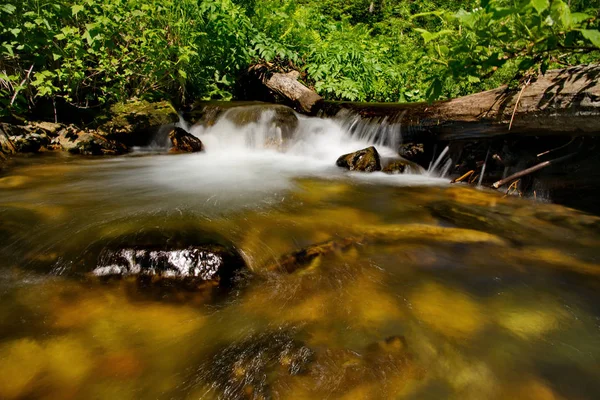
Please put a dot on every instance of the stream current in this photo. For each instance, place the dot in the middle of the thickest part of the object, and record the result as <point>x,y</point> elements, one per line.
<point>464,295</point>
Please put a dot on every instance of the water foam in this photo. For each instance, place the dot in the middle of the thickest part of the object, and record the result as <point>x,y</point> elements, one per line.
<point>255,158</point>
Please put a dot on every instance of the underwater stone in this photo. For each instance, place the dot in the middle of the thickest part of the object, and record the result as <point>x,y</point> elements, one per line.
<point>366,160</point>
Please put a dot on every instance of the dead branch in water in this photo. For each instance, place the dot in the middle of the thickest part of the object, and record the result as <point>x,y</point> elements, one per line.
<point>528,171</point>
<point>465,176</point>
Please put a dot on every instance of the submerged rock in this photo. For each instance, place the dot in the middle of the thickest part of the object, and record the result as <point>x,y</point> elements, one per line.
<point>183,142</point>
<point>366,160</point>
<point>252,367</point>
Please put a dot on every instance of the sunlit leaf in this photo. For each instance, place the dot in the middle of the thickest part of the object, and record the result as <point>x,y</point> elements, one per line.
<point>540,5</point>
<point>593,35</point>
<point>75,9</point>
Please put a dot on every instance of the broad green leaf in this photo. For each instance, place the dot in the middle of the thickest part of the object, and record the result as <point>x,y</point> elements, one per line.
<point>593,35</point>
<point>473,79</point>
<point>9,49</point>
<point>76,9</point>
<point>56,56</point>
<point>540,5</point>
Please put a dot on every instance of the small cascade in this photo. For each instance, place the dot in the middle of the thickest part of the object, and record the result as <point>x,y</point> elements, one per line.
<point>440,172</point>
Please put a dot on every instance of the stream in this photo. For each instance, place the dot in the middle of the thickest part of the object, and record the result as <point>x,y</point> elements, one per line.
<point>439,291</point>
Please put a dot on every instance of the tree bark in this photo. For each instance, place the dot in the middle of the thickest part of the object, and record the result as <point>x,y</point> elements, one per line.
<point>563,101</point>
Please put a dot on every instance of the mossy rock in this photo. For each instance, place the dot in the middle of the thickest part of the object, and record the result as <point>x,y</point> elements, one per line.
<point>136,123</point>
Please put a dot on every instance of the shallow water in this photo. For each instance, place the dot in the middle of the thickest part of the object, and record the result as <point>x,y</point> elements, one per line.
<point>443,291</point>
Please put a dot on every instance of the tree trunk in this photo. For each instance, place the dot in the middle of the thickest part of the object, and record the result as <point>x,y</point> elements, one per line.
<point>563,101</point>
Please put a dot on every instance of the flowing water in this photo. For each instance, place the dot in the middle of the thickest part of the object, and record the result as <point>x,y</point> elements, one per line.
<point>438,291</point>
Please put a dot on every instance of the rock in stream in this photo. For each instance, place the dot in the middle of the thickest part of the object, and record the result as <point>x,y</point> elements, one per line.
<point>365,160</point>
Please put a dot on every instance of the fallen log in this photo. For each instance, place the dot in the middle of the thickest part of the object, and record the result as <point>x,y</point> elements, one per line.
<point>287,87</point>
<point>563,101</point>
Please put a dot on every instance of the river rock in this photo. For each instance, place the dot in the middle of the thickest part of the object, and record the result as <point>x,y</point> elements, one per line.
<point>399,165</point>
<point>183,142</point>
<point>205,263</point>
<point>136,123</point>
<point>87,142</point>
<point>366,160</point>
<point>6,145</point>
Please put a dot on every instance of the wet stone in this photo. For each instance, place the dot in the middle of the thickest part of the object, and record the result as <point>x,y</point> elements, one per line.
<point>212,264</point>
<point>365,160</point>
<point>399,165</point>
<point>183,142</point>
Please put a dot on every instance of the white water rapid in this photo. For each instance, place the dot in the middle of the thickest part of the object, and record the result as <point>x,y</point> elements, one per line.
<point>247,162</point>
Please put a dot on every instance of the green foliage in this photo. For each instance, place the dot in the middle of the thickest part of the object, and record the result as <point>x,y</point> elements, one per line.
<point>89,53</point>
<point>523,36</point>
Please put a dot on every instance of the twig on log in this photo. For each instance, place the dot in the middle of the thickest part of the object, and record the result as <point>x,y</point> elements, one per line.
<point>21,84</point>
<point>517,103</point>
<point>528,171</point>
<point>465,176</point>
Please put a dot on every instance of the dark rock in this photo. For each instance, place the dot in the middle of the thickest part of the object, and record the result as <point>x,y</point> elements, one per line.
<point>136,123</point>
<point>87,142</point>
<point>416,152</point>
<point>184,142</point>
<point>194,264</point>
<point>366,160</point>
<point>182,258</point>
<point>399,165</point>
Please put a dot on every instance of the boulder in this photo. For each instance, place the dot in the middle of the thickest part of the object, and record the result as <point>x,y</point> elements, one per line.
<point>365,160</point>
<point>86,142</point>
<point>183,142</point>
<point>136,123</point>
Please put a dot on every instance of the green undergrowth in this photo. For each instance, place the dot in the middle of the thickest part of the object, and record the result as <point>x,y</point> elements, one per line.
<point>86,54</point>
